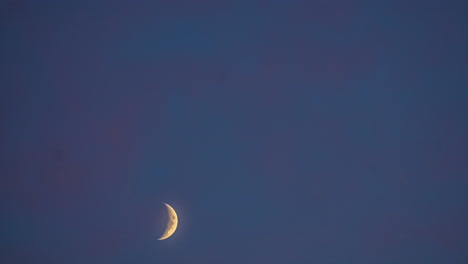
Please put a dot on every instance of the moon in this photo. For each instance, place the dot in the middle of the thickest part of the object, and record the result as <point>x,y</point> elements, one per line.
<point>171,224</point>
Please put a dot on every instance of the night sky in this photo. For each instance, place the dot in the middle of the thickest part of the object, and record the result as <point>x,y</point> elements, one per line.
<point>316,132</point>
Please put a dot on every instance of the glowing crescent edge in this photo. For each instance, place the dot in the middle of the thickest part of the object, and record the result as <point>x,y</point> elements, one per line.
<point>171,224</point>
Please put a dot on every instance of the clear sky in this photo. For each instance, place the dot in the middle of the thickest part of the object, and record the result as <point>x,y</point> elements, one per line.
<point>280,131</point>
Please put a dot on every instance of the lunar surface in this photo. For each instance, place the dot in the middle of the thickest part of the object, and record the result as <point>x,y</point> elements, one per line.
<point>171,224</point>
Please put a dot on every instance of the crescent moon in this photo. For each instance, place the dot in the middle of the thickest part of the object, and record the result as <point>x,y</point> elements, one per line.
<point>171,224</point>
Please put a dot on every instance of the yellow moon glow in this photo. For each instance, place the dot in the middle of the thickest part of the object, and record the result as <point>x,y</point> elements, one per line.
<point>171,224</point>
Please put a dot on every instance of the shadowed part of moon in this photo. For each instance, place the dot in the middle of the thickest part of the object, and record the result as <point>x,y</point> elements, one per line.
<point>171,224</point>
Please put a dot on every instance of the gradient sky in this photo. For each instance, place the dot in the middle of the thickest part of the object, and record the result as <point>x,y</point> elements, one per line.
<point>280,131</point>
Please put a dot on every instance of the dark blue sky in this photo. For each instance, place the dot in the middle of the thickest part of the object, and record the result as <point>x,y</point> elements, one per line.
<point>280,131</point>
